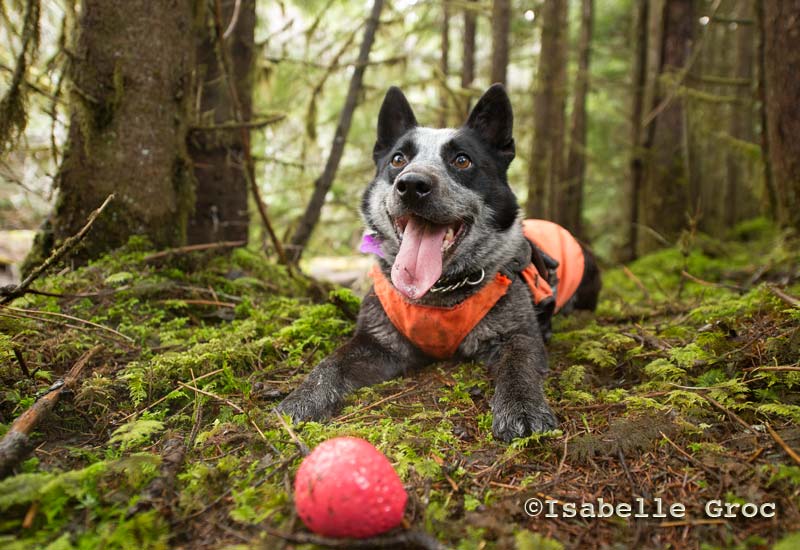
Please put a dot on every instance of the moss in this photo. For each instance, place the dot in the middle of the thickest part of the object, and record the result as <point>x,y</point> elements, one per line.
<point>229,335</point>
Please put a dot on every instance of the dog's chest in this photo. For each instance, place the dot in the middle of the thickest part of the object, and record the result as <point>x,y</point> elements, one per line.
<point>513,314</point>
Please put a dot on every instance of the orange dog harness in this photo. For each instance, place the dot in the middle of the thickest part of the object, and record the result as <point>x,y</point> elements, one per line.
<point>438,331</point>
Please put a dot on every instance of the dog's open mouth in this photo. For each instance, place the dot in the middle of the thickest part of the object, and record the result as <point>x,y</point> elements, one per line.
<point>423,247</point>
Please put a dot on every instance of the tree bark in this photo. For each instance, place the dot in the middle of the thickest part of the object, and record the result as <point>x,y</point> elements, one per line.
<point>740,203</point>
<point>444,65</point>
<point>128,126</point>
<point>636,174</point>
<point>546,163</point>
<point>501,30</point>
<point>323,184</point>
<point>664,199</point>
<point>468,56</point>
<point>218,155</point>
<point>571,200</point>
<point>781,28</point>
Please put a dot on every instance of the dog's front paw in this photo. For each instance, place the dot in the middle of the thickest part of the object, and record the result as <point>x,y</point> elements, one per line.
<point>304,405</point>
<point>514,419</point>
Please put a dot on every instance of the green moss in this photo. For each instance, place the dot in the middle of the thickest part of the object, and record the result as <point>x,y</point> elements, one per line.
<point>647,363</point>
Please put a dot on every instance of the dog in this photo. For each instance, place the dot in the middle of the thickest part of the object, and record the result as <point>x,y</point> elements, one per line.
<point>459,275</point>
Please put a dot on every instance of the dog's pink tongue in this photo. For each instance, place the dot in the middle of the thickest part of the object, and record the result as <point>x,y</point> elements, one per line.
<point>418,264</point>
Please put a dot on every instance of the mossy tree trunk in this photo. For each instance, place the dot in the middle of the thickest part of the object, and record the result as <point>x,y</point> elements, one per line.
<point>444,65</point>
<point>546,162</point>
<point>218,155</point>
<point>740,200</point>
<point>468,56</point>
<point>664,197</point>
<point>501,30</point>
<point>130,93</point>
<point>781,62</point>
<point>571,199</point>
<point>641,19</point>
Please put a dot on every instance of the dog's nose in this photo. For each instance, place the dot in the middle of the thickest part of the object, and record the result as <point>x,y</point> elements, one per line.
<point>413,187</point>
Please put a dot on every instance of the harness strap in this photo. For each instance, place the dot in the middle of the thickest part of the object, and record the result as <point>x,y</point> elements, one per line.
<point>437,331</point>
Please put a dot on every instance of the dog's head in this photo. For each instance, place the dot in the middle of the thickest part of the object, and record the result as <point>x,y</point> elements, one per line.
<point>440,202</point>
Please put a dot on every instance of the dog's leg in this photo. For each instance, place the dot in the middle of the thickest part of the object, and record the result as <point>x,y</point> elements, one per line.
<point>519,406</point>
<point>362,361</point>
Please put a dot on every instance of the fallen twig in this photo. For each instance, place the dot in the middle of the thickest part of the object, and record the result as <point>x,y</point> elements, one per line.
<point>405,539</point>
<point>228,402</point>
<point>28,312</point>
<point>779,368</point>
<point>16,444</point>
<point>729,412</point>
<point>22,365</point>
<point>630,275</point>
<point>302,447</point>
<point>9,293</point>
<point>199,302</point>
<point>785,446</point>
<point>791,300</point>
<point>193,248</point>
<point>703,282</point>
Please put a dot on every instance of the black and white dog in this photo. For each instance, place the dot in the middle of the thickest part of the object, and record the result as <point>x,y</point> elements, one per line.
<point>455,278</point>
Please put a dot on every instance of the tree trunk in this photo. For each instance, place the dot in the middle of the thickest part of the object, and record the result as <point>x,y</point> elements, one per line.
<point>323,184</point>
<point>468,57</point>
<point>571,200</point>
<point>781,28</point>
<point>128,126</point>
<point>769,185</point>
<point>546,163</point>
<point>663,201</point>
<point>636,175</point>
<point>220,212</point>
<point>740,203</point>
<point>501,29</point>
<point>444,65</point>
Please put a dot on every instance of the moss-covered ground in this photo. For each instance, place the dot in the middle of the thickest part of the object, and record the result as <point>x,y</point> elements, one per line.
<point>683,386</point>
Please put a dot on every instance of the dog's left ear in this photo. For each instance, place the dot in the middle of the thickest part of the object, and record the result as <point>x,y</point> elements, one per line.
<point>493,119</point>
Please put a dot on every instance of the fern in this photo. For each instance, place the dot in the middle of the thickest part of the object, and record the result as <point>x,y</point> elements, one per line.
<point>664,371</point>
<point>136,433</point>
<point>789,412</point>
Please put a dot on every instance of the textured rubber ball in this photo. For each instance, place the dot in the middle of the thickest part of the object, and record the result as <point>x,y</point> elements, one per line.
<point>348,488</point>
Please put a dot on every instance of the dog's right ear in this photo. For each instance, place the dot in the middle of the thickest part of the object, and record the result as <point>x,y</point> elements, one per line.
<point>394,120</point>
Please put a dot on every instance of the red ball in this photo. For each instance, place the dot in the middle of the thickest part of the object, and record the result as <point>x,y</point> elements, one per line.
<point>348,488</point>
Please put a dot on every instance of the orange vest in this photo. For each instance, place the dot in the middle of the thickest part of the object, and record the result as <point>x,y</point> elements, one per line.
<point>438,331</point>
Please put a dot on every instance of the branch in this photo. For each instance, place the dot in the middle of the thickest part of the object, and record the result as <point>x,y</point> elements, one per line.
<point>235,125</point>
<point>16,444</point>
<point>193,248</point>
<point>323,183</point>
<point>10,292</point>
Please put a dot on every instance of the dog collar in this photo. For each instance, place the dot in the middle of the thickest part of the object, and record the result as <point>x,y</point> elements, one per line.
<point>463,282</point>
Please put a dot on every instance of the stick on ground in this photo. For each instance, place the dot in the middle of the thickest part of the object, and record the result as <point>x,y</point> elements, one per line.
<point>7,294</point>
<point>16,444</point>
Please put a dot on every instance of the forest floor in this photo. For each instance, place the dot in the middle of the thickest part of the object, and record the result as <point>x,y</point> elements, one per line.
<point>683,387</point>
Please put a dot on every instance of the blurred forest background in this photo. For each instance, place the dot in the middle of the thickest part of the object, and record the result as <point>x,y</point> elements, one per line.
<point>634,120</point>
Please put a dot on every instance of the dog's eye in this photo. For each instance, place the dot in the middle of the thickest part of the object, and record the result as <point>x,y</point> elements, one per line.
<point>462,161</point>
<point>398,160</point>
